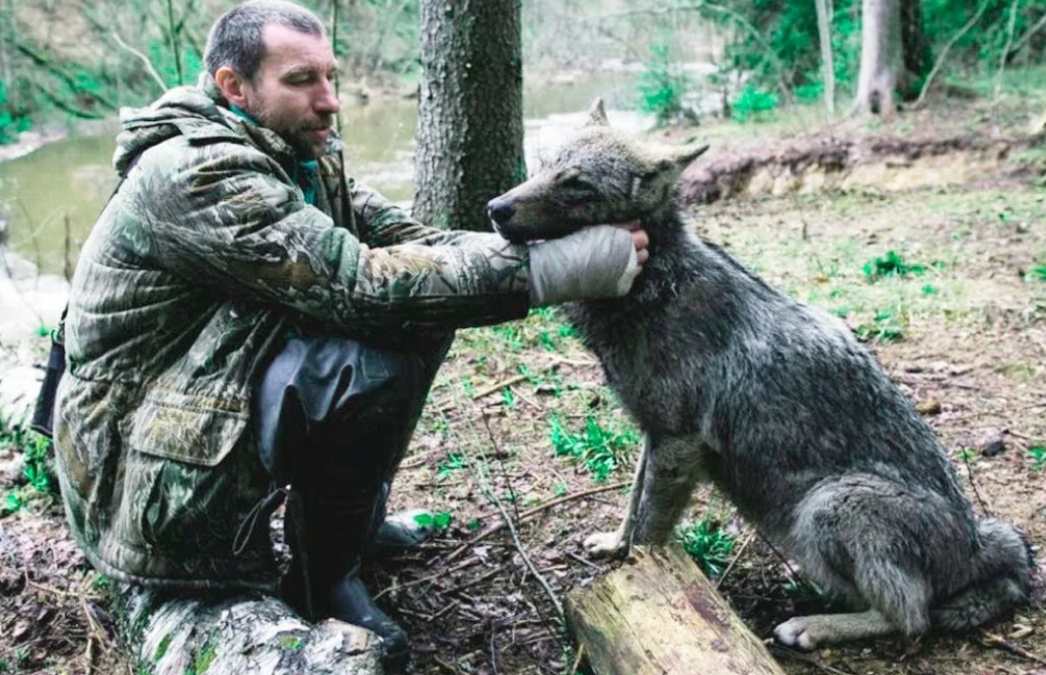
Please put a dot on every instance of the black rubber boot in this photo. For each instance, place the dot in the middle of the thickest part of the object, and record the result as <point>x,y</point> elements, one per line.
<point>351,602</point>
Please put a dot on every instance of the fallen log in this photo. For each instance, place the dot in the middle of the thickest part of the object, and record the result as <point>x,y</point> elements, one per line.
<point>246,633</point>
<point>659,615</point>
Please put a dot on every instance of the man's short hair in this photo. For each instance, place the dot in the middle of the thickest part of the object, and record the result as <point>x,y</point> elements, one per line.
<point>236,37</point>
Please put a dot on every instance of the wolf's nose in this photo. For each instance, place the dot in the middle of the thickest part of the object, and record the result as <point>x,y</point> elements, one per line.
<point>500,211</point>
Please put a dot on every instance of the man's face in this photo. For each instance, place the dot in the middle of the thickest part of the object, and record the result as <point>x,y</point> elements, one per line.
<point>293,91</point>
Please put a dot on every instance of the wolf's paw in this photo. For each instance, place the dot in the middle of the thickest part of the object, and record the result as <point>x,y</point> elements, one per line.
<point>798,632</point>
<point>604,544</point>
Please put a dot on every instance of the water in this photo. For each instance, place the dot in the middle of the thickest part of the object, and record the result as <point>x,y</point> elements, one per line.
<point>68,181</point>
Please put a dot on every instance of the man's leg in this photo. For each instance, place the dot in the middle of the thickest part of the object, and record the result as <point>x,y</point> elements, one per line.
<point>335,418</point>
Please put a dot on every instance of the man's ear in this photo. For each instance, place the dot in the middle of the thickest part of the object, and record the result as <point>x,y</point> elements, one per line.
<point>232,86</point>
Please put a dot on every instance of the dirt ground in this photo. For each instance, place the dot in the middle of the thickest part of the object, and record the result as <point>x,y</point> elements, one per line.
<point>964,336</point>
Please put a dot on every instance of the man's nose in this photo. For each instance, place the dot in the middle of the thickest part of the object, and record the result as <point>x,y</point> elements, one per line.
<point>328,101</point>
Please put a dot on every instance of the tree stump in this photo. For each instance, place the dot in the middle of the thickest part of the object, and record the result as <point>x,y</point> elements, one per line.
<point>659,615</point>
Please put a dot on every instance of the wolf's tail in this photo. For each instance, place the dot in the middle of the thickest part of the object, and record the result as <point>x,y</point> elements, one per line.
<point>1001,581</point>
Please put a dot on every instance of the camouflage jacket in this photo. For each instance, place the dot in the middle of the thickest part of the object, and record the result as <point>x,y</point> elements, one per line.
<point>187,283</point>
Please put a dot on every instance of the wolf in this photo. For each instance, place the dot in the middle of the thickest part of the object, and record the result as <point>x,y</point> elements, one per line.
<point>773,402</point>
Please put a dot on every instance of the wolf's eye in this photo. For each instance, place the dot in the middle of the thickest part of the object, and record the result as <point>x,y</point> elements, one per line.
<point>577,183</point>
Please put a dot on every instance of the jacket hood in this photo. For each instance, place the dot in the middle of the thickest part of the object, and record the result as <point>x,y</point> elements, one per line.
<point>197,112</point>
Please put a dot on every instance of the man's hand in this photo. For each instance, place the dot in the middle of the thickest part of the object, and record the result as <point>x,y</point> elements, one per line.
<point>595,262</point>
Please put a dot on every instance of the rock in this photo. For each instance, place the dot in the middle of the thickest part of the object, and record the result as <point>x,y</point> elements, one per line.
<point>993,446</point>
<point>930,406</point>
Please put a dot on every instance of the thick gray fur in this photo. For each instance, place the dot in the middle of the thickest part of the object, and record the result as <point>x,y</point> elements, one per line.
<point>775,403</point>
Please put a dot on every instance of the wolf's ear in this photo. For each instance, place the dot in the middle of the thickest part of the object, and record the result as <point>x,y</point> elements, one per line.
<point>682,157</point>
<point>597,114</point>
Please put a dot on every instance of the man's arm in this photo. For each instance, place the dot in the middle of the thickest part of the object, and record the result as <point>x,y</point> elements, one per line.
<point>382,223</point>
<point>226,219</point>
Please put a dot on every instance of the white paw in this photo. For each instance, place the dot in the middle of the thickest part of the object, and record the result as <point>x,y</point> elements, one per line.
<point>604,544</point>
<point>797,632</point>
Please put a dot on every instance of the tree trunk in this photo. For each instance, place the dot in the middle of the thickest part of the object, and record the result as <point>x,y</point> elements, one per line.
<point>7,32</point>
<point>661,616</point>
<point>918,57</point>
<point>824,30</point>
<point>470,112</point>
<point>882,63</point>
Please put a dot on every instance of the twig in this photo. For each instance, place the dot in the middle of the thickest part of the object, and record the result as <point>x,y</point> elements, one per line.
<point>806,658</point>
<point>446,666</point>
<point>1027,36</point>
<point>526,399</point>
<point>472,582</point>
<point>433,577</point>
<point>530,512</point>
<point>1005,52</point>
<point>737,556</point>
<point>944,52</point>
<point>993,640</point>
<point>144,59</point>
<point>487,391</point>
<point>973,483</point>
<point>577,659</point>
<point>515,538</point>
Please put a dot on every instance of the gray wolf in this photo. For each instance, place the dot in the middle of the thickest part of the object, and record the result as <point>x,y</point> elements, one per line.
<point>776,404</point>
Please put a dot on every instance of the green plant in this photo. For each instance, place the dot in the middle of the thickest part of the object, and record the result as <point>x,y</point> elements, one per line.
<point>598,449</point>
<point>891,265</point>
<point>885,328</point>
<point>753,104</point>
<point>439,521</point>
<point>1039,272</point>
<point>708,543</point>
<point>1038,454</point>
<point>662,87</point>
<point>453,463</point>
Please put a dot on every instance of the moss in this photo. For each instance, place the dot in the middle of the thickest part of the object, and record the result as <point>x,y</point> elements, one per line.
<point>162,648</point>
<point>292,643</point>
<point>205,657</point>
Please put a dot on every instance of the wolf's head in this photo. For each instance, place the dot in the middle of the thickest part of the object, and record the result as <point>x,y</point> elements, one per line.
<point>600,176</point>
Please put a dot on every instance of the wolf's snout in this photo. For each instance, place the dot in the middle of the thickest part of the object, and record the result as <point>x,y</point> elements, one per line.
<point>500,211</point>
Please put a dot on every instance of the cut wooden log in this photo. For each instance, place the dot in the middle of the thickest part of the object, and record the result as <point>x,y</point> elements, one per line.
<point>232,635</point>
<point>659,615</point>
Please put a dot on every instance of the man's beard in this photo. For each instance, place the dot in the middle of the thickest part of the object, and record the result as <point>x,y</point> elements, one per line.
<point>294,133</point>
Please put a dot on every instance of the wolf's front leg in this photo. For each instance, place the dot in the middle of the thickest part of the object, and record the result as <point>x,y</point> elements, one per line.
<point>674,467</point>
<point>612,544</point>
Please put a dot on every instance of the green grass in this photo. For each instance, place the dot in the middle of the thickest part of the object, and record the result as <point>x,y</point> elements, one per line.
<point>1038,456</point>
<point>709,544</point>
<point>36,449</point>
<point>891,265</point>
<point>599,450</point>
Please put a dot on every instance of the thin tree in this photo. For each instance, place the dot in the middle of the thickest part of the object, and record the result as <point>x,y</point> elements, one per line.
<point>824,31</point>
<point>470,110</point>
<point>882,57</point>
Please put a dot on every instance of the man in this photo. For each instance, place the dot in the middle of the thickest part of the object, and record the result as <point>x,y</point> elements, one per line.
<point>244,317</point>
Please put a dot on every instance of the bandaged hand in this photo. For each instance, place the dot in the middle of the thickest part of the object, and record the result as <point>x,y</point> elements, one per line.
<point>600,261</point>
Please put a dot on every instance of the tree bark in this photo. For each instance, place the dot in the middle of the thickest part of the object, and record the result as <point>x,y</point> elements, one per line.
<point>7,33</point>
<point>824,30</point>
<point>238,634</point>
<point>470,115</point>
<point>915,45</point>
<point>882,63</point>
<point>661,616</point>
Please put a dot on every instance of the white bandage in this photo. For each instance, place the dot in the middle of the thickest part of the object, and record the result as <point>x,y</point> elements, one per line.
<point>594,262</point>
